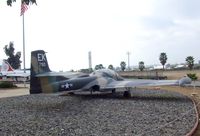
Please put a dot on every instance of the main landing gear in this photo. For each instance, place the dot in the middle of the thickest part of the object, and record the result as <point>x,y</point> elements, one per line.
<point>127,93</point>
<point>113,91</point>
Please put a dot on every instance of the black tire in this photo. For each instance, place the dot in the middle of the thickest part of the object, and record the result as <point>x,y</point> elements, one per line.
<point>127,94</point>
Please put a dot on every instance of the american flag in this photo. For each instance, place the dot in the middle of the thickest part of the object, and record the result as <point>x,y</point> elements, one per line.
<point>24,7</point>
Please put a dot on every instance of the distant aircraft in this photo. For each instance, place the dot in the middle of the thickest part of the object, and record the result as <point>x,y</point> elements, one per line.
<point>43,80</point>
<point>8,71</point>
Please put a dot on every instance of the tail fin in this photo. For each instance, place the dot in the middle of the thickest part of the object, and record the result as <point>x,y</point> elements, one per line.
<point>6,67</point>
<point>39,65</point>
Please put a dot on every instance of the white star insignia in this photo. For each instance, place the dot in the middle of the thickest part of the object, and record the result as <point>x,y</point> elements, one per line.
<point>66,86</point>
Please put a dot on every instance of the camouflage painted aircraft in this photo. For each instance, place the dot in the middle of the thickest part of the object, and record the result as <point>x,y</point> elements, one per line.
<point>43,80</point>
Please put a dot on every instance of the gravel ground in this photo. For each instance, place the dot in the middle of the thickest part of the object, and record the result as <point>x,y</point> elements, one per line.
<point>147,113</point>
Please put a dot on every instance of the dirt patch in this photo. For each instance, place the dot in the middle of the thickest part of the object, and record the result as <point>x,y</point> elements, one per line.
<point>179,73</point>
<point>170,74</point>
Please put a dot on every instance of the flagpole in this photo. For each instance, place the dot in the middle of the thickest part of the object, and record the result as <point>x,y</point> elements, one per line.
<point>23,44</point>
<point>23,9</point>
<point>24,49</point>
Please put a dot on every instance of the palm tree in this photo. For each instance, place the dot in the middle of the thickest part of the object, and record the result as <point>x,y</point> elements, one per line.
<point>190,62</point>
<point>111,67</point>
<point>96,67</point>
<point>163,59</point>
<point>141,65</point>
<point>100,66</point>
<point>123,65</point>
<point>28,2</point>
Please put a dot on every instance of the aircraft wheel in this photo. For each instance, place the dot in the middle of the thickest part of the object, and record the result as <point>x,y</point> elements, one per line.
<point>127,94</point>
<point>71,93</point>
<point>113,91</point>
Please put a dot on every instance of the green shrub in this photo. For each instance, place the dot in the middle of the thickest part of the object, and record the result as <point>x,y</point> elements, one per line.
<point>7,84</point>
<point>192,76</point>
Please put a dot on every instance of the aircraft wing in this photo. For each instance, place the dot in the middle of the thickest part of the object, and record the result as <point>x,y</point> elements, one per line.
<point>143,83</point>
<point>18,75</point>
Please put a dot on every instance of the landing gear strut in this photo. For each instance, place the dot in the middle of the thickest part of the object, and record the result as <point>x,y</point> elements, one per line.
<point>94,88</point>
<point>113,91</point>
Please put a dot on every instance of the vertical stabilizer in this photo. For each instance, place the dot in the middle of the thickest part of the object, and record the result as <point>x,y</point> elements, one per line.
<point>39,65</point>
<point>6,67</point>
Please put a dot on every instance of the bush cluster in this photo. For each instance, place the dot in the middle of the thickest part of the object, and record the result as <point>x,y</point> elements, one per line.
<point>192,76</point>
<point>7,84</point>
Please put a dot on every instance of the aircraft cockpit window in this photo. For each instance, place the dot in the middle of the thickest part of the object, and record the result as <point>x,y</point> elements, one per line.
<point>107,73</point>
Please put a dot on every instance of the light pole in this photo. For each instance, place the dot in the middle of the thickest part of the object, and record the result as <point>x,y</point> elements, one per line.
<point>128,54</point>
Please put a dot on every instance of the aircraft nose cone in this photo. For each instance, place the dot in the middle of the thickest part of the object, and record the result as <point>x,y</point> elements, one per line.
<point>184,80</point>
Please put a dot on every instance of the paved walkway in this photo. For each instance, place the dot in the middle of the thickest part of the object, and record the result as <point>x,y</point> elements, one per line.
<point>21,90</point>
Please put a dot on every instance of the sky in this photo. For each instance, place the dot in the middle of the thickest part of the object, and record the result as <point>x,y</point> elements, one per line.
<point>68,29</point>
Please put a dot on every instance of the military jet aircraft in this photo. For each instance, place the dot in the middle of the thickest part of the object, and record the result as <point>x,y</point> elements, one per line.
<point>43,80</point>
<point>8,71</point>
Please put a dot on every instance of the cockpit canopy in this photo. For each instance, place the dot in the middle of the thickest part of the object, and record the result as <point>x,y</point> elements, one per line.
<point>107,73</point>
